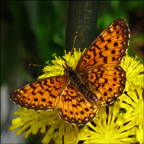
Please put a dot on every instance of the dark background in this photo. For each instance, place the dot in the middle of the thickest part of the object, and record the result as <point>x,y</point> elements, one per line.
<point>31,31</point>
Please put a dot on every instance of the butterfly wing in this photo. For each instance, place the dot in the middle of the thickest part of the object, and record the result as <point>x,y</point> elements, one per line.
<point>107,49</point>
<point>74,107</point>
<point>107,83</point>
<point>40,95</point>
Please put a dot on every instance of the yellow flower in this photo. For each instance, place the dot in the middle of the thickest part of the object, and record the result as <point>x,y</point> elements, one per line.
<point>134,72</point>
<point>133,102</point>
<point>134,105</point>
<point>108,127</point>
<point>58,63</point>
<point>33,121</point>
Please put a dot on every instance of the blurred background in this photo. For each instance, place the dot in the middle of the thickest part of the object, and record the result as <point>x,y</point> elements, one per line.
<point>31,31</point>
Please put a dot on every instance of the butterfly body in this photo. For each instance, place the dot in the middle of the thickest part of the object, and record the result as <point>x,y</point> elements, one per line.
<point>97,79</point>
<point>80,84</point>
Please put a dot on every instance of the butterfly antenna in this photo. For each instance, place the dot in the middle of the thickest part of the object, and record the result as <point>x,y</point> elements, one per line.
<point>74,42</point>
<point>71,50</point>
<point>36,65</point>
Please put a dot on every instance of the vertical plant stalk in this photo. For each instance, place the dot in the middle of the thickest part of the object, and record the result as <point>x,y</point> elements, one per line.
<point>82,17</point>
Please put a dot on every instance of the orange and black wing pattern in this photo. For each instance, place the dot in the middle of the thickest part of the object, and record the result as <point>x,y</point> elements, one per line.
<point>74,107</point>
<point>99,65</point>
<point>108,48</point>
<point>106,83</point>
<point>43,94</point>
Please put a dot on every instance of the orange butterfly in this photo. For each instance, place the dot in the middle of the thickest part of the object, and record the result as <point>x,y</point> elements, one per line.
<point>97,80</point>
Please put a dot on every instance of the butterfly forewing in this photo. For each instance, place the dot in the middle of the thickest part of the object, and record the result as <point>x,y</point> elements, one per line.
<point>40,95</point>
<point>108,49</point>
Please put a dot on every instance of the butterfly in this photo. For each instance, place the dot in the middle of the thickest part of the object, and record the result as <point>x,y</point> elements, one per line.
<point>97,80</point>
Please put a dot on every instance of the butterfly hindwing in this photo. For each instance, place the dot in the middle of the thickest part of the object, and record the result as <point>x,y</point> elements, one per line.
<point>74,107</point>
<point>107,83</point>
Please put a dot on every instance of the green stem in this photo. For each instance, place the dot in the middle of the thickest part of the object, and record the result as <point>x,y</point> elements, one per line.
<point>82,17</point>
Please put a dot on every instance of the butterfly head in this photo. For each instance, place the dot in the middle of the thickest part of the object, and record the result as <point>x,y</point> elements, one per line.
<point>67,70</point>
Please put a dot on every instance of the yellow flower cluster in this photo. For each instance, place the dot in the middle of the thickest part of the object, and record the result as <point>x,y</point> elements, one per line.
<point>121,122</point>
